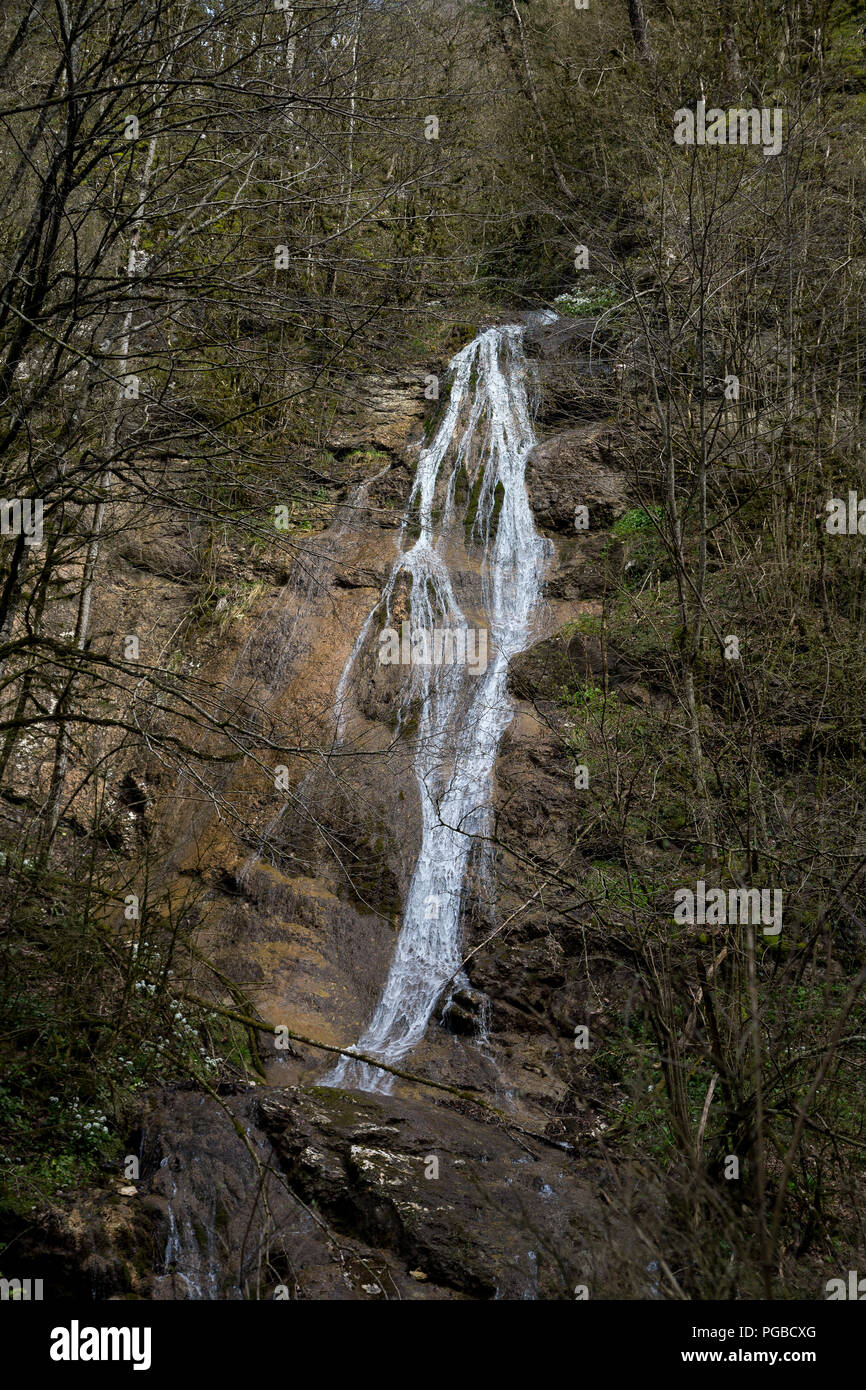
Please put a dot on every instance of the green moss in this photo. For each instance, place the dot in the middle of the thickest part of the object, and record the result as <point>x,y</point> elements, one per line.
<point>498,498</point>
<point>461,486</point>
<point>472,509</point>
<point>590,624</point>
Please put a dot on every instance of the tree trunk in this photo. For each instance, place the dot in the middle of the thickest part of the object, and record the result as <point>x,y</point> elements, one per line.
<point>640,30</point>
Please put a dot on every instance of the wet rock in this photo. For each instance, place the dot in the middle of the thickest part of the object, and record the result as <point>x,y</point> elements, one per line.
<point>462,1010</point>
<point>228,1225</point>
<point>359,577</point>
<point>450,1195</point>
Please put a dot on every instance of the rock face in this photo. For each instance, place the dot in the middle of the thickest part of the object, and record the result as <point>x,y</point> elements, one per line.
<point>302,903</point>
<point>94,1245</point>
<point>574,469</point>
<point>543,671</point>
<point>233,1220</point>
<point>475,1210</point>
<point>313,921</point>
<point>576,370</point>
<point>380,412</point>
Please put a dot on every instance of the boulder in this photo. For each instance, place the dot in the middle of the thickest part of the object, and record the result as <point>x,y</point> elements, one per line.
<point>576,468</point>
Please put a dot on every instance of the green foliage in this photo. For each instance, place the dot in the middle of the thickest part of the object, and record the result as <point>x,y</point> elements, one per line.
<point>637,520</point>
<point>90,1018</point>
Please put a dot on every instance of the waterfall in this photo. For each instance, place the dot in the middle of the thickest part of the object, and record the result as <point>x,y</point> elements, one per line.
<point>463,708</point>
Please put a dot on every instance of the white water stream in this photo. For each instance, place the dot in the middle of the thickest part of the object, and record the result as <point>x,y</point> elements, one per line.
<point>464,710</point>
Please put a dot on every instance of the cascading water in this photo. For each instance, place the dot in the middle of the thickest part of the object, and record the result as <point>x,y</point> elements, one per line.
<point>464,706</point>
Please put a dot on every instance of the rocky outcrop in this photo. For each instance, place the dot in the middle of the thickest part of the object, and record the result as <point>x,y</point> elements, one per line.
<point>576,468</point>
<point>313,1193</point>
<point>576,369</point>
<point>380,412</point>
<point>230,1223</point>
<point>455,1201</point>
<point>568,659</point>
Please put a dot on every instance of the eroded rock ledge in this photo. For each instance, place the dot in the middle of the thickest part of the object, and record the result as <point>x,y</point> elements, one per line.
<point>457,1201</point>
